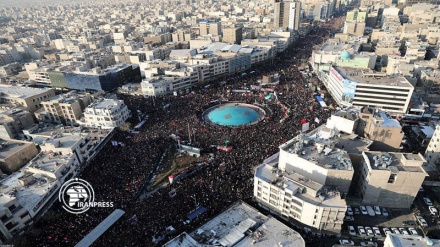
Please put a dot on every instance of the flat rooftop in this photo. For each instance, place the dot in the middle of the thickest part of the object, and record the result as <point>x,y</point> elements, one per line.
<point>9,147</point>
<point>28,188</point>
<point>413,241</point>
<point>104,104</point>
<point>240,225</point>
<point>372,77</point>
<point>394,161</point>
<point>21,92</point>
<point>295,182</point>
<point>50,161</point>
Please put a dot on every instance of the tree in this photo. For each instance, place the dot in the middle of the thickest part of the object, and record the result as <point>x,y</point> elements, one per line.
<point>126,127</point>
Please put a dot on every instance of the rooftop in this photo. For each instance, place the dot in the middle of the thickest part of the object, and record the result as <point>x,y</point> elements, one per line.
<point>240,225</point>
<point>28,188</point>
<point>395,162</point>
<point>50,161</point>
<point>414,241</point>
<point>9,147</point>
<point>372,77</point>
<point>104,104</point>
<point>303,187</point>
<point>21,92</point>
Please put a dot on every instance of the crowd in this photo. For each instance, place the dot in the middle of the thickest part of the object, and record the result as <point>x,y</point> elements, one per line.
<point>118,174</point>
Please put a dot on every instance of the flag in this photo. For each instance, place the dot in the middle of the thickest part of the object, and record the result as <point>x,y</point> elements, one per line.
<point>316,120</point>
<point>171,178</point>
<point>172,193</point>
<point>303,121</point>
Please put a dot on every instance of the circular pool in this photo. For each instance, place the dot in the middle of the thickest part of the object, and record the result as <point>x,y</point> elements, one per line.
<point>234,114</point>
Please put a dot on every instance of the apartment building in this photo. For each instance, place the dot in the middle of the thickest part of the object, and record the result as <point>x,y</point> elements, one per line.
<point>24,96</point>
<point>379,127</point>
<point>15,154</point>
<point>64,108</point>
<point>432,153</point>
<point>210,27</point>
<point>232,35</point>
<point>105,114</point>
<point>368,88</point>
<point>13,121</point>
<point>287,14</point>
<point>390,179</point>
<point>26,194</point>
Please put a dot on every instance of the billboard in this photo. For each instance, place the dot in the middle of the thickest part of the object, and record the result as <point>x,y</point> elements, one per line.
<point>348,91</point>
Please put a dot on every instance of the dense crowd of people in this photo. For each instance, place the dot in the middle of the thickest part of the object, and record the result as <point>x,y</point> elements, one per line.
<point>119,173</point>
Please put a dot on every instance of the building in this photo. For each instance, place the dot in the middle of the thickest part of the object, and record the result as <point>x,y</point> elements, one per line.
<point>181,36</point>
<point>96,79</point>
<point>28,193</point>
<point>105,114</point>
<point>14,154</point>
<point>306,181</point>
<point>368,88</point>
<point>344,120</point>
<point>354,27</point>
<point>379,127</point>
<point>432,153</point>
<point>210,27</point>
<point>163,85</point>
<point>390,179</point>
<point>287,14</point>
<point>232,35</point>
<point>31,98</point>
<point>64,108</point>
<point>240,226</point>
<point>13,121</point>
<point>397,240</point>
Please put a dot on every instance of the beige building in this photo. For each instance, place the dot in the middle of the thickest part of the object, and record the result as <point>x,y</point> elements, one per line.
<point>213,28</point>
<point>354,28</point>
<point>181,36</point>
<point>287,14</point>
<point>379,127</point>
<point>13,121</point>
<point>232,35</point>
<point>25,96</point>
<point>64,108</point>
<point>390,179</point>
<point>14,154</point>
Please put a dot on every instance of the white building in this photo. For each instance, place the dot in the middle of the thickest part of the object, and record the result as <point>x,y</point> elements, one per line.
<point>163,85</point>
<point>395,240</point>
<point>432,153</point>
<point>371,89</point>
<point>230,227</point>
<point>26,194</point>
<point>105,114</point>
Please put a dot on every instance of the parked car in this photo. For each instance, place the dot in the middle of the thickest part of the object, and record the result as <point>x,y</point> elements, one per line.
<point>361,231</point>
<point>376,231</point>
<point>364,210</point>
<point>395,230</point>
<point>422,221</point>
<point>403,231</point>
<point>349,211</point>
<point>377,210</point>
<point>433,210</point>
<point>385,212</point>
<point>369,243</point>
<point>346,242</point>
<point>357,211</point>
<point>351,230</point>
<point>409,223</point>
<point>427,201</point>
<point>386,231</point>
<point>413,231</point>
<point>370,211</point>
<point>348,218</point>
<point>369,231</point>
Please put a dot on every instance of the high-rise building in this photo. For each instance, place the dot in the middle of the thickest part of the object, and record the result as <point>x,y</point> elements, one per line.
<point>207,27</point>
<point>233,35</point>
<point>287,14</point>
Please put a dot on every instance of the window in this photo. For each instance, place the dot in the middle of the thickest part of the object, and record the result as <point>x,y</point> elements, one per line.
<point>392,178</point>
<point>12,207</point>
<point>296,202</point>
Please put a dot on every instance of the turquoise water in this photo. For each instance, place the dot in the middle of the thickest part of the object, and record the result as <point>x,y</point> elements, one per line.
<point>233,115</point>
